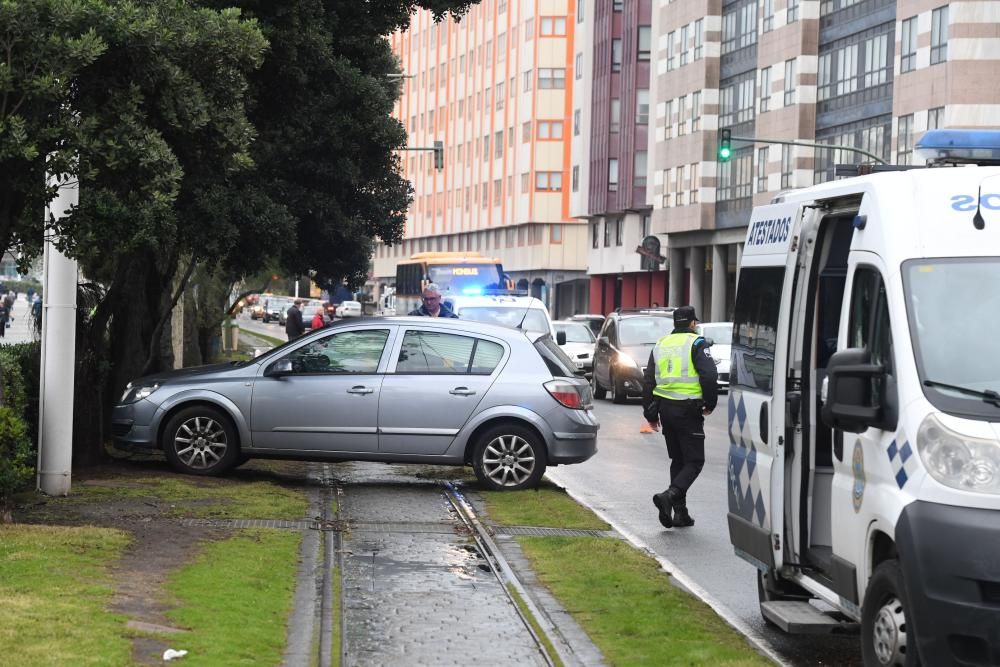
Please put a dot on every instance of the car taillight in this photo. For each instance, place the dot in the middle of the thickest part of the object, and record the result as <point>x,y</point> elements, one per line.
<point>570,394</point>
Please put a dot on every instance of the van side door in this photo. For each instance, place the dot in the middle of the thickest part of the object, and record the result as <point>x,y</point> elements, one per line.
<point>757,387</point>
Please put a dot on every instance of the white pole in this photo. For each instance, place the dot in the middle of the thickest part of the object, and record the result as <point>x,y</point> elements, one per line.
<point>58,363</point>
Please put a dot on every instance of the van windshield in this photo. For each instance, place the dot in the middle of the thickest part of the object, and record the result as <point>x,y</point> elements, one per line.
<point>954,314</point>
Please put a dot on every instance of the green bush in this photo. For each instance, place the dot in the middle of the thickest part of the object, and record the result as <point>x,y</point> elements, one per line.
<point>22,286</point>
<point>19,370</point>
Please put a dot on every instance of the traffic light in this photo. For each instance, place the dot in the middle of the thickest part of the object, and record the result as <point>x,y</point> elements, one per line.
<point>725,145</point>
<point>439,155</point>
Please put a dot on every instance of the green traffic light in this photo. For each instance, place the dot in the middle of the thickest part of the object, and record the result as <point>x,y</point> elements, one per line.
<point>725,153</point>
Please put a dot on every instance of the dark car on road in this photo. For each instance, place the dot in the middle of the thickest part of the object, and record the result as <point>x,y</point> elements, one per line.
<point>623,348</point>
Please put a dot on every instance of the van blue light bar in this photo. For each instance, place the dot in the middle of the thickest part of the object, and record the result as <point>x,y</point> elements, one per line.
<point>947,146</point>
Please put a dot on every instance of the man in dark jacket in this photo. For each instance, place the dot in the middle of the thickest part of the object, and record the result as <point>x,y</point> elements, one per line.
<point>679,391</point>
<point>433,306</point>
<point>293,321</point>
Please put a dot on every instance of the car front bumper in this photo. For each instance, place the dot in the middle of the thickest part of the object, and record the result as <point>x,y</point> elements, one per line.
<point>131,424</point>
<point>952,580</point>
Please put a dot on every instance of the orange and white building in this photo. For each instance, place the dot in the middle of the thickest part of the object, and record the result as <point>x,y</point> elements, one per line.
<point>496,87</point>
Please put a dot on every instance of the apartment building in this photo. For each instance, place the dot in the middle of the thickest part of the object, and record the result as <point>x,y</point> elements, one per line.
<point>614,105</point>
<point>496,87</point>
<point>868,74</point>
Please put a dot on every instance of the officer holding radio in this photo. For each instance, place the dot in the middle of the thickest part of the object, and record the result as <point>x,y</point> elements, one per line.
<point>679,391</point>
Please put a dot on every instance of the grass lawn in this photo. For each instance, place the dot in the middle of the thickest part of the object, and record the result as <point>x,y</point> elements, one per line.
<point>628,606</point>
<point>547,506</point>
<point>235,597</point>
<point>54,591</point>
<point>212,498</point>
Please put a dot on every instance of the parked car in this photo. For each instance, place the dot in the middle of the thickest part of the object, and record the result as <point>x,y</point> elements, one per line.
<point>595,322</point>
<point>524,312</point>
<point>407,389</point>
<point>623,348</point>
<point>720,335</point>
<point>578,343</point>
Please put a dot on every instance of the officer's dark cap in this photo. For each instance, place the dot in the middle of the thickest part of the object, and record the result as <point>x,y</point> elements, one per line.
<point>684,314</point>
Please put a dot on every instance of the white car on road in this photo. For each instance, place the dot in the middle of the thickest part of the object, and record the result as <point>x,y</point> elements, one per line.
<point>721,335</point>
<point>579,343</point>
<point>518,312</point>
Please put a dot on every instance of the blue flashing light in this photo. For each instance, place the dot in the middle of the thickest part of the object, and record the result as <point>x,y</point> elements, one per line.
<point>946,146</point>
<point>472,291</point>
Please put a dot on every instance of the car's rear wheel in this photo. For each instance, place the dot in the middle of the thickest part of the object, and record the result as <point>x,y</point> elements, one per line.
<point>618,387</point>
<point>201,440</point>
<point>509,457</point>
<point>600,392</point>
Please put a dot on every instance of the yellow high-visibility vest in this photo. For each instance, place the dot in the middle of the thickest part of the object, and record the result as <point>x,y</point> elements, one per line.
<point>676,375</point>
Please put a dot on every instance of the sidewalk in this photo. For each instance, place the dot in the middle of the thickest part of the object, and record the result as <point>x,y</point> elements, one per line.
<point>20,329</point>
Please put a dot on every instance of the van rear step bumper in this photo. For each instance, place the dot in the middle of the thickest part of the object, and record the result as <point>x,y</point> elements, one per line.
<point>802,618</point>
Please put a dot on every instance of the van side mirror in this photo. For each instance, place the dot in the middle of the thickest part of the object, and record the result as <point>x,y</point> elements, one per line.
<point>849,403</point>
<point>560,337</point>
<point>279,368</point>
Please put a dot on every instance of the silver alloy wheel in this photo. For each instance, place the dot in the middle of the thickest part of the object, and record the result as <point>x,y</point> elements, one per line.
<point>508,460</point>
<point>200,442</point>
<point>889,633</point>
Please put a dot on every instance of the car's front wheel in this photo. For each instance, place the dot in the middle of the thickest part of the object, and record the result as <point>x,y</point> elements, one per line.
<point>201,440</point>
<point>509,457</point>
<point>599,392</point>
<point>619,393</point>
<point>886,635</point>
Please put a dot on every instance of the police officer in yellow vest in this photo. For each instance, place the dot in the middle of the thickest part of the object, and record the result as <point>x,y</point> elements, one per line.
<point>679,391</point>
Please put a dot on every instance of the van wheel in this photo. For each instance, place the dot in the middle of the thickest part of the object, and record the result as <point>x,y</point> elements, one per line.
<point>600,393</point>
<point>619,394</point>
<point>885,618</point>
<point>200,440</point>
<point>509,457</point>
<point>770,589</point>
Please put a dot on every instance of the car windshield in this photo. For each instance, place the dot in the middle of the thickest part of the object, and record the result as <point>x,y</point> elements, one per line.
<point>509,316</point>
<point>576,332</point>
<point>721,334</point>
<point>644,330</point>
<point>953,321</point>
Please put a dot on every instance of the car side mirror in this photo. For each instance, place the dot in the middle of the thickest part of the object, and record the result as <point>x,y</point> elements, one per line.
<point>603,340</point>
<point>561,337</point>
<point>279,368</point>
<point>849,404</point>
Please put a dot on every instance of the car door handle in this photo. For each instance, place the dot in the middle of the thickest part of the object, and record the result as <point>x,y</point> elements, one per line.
<point>360,390</point>
<point>462,391</point>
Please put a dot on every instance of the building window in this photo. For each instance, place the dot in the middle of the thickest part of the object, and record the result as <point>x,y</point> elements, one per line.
<point>739,25</point>
<point>668,127</point>
<point>595,233</point>
<point>527,80</point>
<point>500,96</point>
<point>642,106</point>
<point>679,189</point>
<point>696,111</point>
<point>551,78</point>
<point>790,82</point>
<point>607,233</point>
<point>877,64</point>
<point>684,38</point>
<point>553,26</point>
<point>616,55</point>
<point>939,35</point>
<point>668,185</point>
<point>786,167</point>
<point>576,122</point>
<point>529,29</point>
<point>497,191</point>
<point>498,145</point>
<point>613,174</point>
<point>736,176</point>
<point>792,15</point>
<point>694,170</point>
<point>617,5</point>
<point>548,181</point>
<point>904,141</point>
<point>762,169</point>
<point>645,42</point>
<point>578,67</point>
<point>768,23</point>
<point>935,118</point>
<point>765,89</point>
<point>639,174</point>
<point>682,115</point>
<point>616,115</point>
<point>670,50</point>
<point>550,129</point>
<point>908,45</point>
<point>644,221</point>
<point>576,178</point>
<point>737,99</point>
<point>699,38</point>
<point>526,132</point>
<point>579,11</point>
<point>619,231</point>
<point>555,234</point>
<point>525,181</point>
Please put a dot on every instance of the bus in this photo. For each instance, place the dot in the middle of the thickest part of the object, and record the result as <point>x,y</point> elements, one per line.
<point>456,273</point>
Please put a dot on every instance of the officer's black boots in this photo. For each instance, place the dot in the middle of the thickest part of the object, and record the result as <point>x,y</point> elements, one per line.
<point>662,502</point>
<point>678,501</point>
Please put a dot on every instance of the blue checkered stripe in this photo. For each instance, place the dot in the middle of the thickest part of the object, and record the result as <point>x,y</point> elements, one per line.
<point>901,460</point>
<point>746,498</point>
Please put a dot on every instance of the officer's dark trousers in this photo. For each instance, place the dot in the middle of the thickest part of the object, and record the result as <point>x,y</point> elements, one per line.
<point>684,430</point>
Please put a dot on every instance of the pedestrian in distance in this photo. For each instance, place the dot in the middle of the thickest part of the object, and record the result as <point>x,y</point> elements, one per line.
<point>317,321</point>
<point>293,321</point>
<point>4,317</point>
<point>432,304</point>
<point>679,391</point>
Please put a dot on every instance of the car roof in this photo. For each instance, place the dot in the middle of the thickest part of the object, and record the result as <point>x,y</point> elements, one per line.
<point>469,326</point>
<point>643,312</point>
<point>496,301</point>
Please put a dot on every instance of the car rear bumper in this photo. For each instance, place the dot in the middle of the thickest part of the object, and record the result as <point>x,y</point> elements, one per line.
<point>572,447</point>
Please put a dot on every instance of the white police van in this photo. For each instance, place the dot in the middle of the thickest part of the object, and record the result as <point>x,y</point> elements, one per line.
<point>864,413</point>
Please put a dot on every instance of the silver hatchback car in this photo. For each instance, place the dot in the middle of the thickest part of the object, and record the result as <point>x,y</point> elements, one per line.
<point>399,389</point>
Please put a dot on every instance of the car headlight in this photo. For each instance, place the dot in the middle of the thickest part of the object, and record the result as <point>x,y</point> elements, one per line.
<point>958,461</point>
<point>623,359</point>
<point>134,393</point>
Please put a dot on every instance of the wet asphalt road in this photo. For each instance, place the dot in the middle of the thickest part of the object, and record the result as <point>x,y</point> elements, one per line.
<point>619,483</point>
